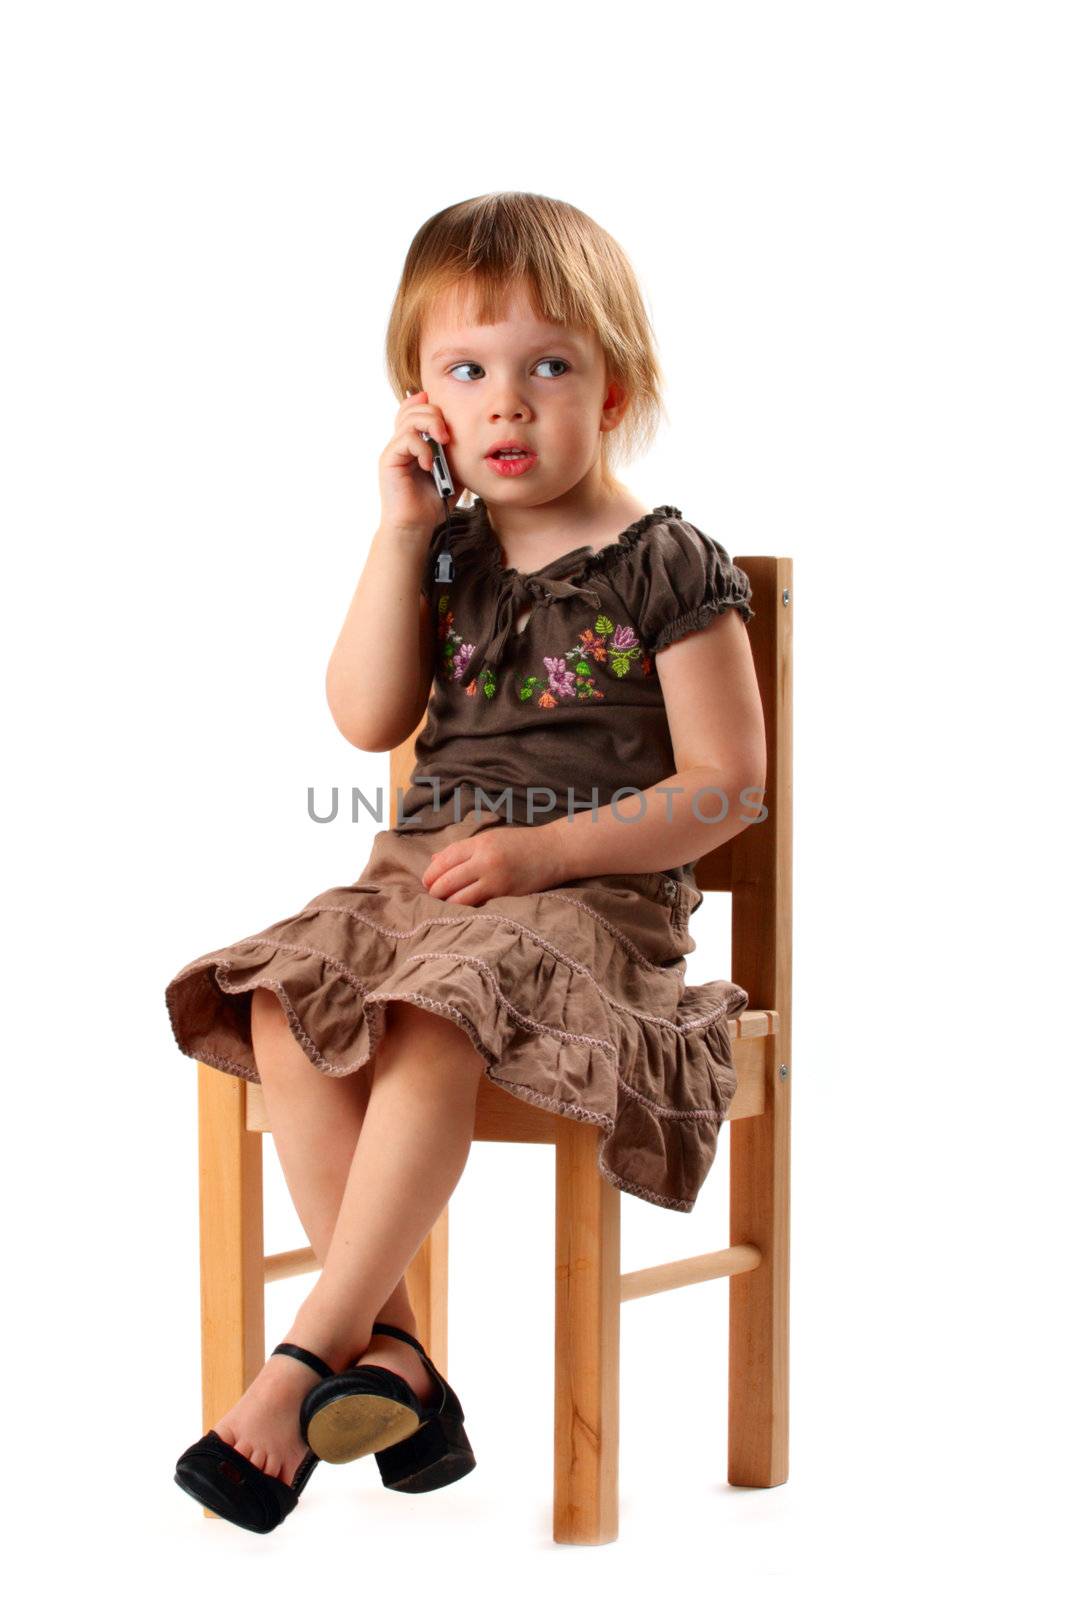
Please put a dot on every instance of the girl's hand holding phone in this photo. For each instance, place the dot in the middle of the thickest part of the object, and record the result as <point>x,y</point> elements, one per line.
<point>410,500</point>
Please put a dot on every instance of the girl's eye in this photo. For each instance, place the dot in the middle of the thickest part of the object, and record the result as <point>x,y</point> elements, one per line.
<point>556,361</point>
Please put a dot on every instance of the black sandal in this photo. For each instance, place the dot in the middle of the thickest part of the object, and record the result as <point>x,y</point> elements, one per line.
<point>225,1481</point>
<point>417,1447</point>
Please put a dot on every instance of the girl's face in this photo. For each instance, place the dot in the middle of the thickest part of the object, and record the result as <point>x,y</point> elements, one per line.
<point>520,379</point>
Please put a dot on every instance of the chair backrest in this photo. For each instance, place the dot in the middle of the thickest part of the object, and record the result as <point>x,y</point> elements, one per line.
<point>756,866</point>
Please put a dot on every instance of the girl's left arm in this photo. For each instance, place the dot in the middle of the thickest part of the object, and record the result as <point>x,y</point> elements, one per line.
<point>715,715</point>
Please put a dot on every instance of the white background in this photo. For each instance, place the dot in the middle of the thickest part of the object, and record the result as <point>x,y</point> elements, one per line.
<point>848,223</point>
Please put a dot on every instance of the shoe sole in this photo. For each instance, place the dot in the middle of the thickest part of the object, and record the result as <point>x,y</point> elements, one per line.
<point>359,1424</point>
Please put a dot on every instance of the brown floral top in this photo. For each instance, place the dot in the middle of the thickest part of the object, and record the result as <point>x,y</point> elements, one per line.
<point>545,684</point>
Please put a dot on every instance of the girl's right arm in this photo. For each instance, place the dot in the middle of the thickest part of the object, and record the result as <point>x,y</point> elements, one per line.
<point>380,672</point>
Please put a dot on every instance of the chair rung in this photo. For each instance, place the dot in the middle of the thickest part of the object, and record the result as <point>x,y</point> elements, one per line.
<point>289,1264</point>
<point>632,1285</point>
<point>691,1269</point>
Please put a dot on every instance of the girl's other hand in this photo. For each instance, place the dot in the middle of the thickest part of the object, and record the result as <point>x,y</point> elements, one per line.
<point>496,861</point>
<point>409,494</point>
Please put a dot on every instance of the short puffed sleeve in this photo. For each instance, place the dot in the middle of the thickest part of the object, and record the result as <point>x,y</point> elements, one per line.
<point>678,579</point>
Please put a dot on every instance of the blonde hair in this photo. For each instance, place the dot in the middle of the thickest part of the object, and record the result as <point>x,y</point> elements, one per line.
<point>576,274</point>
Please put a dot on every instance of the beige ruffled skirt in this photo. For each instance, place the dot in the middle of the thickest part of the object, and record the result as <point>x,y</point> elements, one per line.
<point>575,997</point>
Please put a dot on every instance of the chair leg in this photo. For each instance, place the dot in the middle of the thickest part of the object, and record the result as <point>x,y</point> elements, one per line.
<point>759,1300</point>
<point>231,1244</point>
<point>426,1280</point>
<point>586,1509</point>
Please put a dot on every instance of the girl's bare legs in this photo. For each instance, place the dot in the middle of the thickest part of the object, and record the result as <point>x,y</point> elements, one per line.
<point>370,1160</point>
<point>315,1122</point>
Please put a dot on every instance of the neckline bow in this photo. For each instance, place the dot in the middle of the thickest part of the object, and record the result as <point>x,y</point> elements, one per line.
<point>545,586</point>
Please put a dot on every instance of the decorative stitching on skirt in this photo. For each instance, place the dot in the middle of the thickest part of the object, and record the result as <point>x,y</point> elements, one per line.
<point>617,933</point>
<point>492,916</point>
<point>629,1011</point>
<point>639,956</point>
<point>598,916</point>
<point>562,1034</point>
<point>667,1112</point>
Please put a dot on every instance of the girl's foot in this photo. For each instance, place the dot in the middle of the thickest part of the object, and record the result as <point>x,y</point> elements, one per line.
<point>397,1356</point>
<point>264,1425</point>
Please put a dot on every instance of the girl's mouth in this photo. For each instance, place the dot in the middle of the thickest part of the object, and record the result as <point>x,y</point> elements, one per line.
<point>511,465</point>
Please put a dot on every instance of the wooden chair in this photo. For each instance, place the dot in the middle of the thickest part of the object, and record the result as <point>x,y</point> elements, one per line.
<point>755,868</point>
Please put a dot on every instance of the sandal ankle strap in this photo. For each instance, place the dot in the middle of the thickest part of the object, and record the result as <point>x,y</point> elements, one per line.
<point>402,1333</point>
<point>307,1356</point>
<point>398,1333</point>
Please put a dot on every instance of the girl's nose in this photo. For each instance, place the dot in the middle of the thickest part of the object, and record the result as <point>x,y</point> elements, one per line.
<point>513,409</point>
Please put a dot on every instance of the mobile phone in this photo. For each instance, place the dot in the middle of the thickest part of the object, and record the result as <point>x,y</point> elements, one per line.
<point>445,571</point>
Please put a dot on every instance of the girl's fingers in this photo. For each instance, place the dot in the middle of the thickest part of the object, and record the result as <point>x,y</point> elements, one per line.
<point>435,867</point>
<point>411,443</point>
<point>422,452</point>
<point>415,409</point>
<point>453,881</point>
<point>469,890</point>
<point>469,895</point>
<point>399,451</point>
<point>430,422</point>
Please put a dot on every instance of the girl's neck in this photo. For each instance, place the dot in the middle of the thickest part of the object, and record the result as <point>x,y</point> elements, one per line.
<point>534,544</point>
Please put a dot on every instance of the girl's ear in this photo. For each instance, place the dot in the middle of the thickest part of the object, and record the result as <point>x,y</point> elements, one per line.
<point>616,401</point>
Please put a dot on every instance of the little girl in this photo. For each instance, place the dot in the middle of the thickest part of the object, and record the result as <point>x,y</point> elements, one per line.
<point>594,727</point>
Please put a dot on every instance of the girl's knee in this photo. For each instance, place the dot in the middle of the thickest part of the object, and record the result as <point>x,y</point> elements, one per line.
<point>267,1011</point>
<point>272,1039</point>
<point>435,1034</point>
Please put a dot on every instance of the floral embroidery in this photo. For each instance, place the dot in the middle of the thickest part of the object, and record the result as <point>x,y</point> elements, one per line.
<point>456,655</point>
<point>610,643</point>
<point>487,679</point>
<point>622,649</point>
